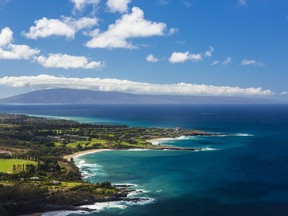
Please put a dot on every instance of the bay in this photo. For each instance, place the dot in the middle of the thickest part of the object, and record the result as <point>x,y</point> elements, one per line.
<point>243,173</point>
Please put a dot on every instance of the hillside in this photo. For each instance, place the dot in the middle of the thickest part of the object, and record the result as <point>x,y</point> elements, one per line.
<point>73,96</point>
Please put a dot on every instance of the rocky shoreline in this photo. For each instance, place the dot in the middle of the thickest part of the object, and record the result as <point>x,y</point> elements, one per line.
<point>121,195</point>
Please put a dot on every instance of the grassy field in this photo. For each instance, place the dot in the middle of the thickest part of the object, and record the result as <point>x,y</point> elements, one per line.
<point>6,165</point>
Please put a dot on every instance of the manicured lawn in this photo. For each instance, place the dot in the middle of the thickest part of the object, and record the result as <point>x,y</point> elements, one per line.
<point>6,165</point>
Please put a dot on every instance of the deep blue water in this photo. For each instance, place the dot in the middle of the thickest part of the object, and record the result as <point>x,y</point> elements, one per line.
<point>245,173</point>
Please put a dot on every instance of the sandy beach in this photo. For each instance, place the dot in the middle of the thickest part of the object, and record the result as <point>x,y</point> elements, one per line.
<point>77,154</point>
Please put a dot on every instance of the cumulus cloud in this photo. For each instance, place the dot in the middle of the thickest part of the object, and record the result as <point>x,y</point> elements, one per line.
<point>65,61</point>
<point>48,81</point>
<point>65,27</point>
<point>11,51</point>
<point>129,26</point>
<point>81,4</point>
<point>247,62</point>
<point>227,61</point>
<point>284,93</point>
<point>118,5</point>
<point>151,58</point>
<point>6,36</point>
<point>180,57</point>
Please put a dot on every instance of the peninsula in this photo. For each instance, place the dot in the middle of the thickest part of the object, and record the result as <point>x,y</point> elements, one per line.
<point>37,171</point>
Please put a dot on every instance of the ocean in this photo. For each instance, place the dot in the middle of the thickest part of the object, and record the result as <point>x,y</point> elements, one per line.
<point>244,172</point>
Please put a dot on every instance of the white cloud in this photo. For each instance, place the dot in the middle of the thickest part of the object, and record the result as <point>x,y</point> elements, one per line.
<point>172,31</point>
<point>187,4</point>
<point>208,53</point>
<point>48,81</point>
<point>65,61</point>
<point>227,61</point>
<point>215,62</point>
<point>129,26</point>
<point>13,51</point>
<point>82,23</point>
<point>242,2</point>
<point>247,62</point>
<point>118,5</point>
<point>180,57</point>
<point>164,2</point>
<point>284,93</point>
<point>151,58</point>
<point>81,4</point>
<point>6,36</point>
<point>66,27</point>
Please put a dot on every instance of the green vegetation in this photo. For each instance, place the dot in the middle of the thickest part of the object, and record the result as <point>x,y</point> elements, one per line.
<point>14,165</point>
<point>33,173</point>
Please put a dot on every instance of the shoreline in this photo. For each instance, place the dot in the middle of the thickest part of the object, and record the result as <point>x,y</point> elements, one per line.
<point>158,141</point>
<point>80,153</point>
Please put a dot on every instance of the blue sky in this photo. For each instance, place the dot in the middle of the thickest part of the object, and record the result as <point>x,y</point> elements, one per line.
<point>190,47</point>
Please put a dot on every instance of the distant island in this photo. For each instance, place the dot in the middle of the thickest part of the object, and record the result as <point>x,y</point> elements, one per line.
<point>76,96</point>
<point>37,170</point>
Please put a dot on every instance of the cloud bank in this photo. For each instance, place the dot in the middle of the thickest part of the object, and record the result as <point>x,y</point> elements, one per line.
<point>48,81</point>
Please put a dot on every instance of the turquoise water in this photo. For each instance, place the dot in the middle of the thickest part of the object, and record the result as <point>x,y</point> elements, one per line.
<point>243,173</point>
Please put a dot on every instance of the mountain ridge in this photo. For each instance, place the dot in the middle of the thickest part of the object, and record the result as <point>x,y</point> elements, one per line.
<point>77,96</point>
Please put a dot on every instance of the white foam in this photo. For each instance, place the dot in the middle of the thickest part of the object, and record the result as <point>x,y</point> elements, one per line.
<point>63,213</point>
<point>243,134</point>
<point>89,170</point>
<point>163,140</point>
<point>208,149</point>
<point>106,205</point>
<point>137,150</point>
<point>117,204</point>
<point>235,134</point>
<point>126,184</point>
<point>137,192</point>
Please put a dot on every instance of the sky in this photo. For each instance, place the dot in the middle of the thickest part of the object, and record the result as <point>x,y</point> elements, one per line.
<point>177,47</point>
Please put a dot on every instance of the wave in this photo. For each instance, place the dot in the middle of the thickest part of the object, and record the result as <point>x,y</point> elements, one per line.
<point>243,134</point>
<point>121,185</point>
<point>105,205</point>
<point>97,207</point>
<point>164,140</point>
<point>235,134</point>
<point>137,150</point>
<point>89,170</point>
<point>208,149</point>
<point>64,213</point>
<point>135,193</point>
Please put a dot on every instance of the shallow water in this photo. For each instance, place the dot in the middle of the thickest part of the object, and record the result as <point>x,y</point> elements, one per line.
<point>243,173</point>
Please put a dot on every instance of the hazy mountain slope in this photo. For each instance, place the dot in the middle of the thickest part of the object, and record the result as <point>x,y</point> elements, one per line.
<point>73,96</point>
